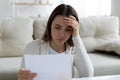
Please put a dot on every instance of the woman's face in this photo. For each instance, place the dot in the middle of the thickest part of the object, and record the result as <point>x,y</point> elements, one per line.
<point>60,32</point>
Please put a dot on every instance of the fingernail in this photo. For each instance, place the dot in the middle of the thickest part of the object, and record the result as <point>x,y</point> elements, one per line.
<point>23,69</point>
<point>65,17</point>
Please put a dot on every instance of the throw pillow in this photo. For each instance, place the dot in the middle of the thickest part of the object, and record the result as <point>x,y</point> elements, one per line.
<point>112,46</point>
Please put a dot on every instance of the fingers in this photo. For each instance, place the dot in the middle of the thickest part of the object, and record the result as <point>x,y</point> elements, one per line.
<point>26,74</point>
<point>71,21</point>
<point>72,17</point>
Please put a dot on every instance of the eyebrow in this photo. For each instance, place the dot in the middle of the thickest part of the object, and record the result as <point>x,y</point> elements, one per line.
<point>58,25</point>
<point>61,26</point>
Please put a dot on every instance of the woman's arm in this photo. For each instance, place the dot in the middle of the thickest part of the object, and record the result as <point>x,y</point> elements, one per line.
<point>81,60</point>
<point>31,48</point>
<point>23,73</point>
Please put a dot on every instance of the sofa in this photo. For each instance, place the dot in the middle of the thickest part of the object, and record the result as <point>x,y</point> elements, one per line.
<point>100,35</point>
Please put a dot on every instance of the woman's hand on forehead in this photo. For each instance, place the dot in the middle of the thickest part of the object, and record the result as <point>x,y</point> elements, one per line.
<point>71,21</point>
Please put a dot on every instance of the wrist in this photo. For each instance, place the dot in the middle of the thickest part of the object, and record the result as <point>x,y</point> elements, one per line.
<point>75,34</point>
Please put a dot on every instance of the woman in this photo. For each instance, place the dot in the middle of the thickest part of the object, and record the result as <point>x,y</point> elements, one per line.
<point>61,37</point>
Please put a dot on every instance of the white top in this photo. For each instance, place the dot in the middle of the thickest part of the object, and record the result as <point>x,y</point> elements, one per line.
<point>51,51</point>
<point>81,60</point>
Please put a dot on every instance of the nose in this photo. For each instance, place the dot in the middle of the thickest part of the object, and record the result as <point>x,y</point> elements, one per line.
<point>62,33</point>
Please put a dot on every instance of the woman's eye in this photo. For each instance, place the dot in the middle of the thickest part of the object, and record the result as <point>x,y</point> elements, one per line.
<point>68,29</point>
<point>57,28</point>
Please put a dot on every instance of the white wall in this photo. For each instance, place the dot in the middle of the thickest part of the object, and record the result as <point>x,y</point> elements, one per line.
<point>115,8</point>
<point>5,8</point>
<point>9,10</point>
<point>33,10</point>
<point>115,11</point>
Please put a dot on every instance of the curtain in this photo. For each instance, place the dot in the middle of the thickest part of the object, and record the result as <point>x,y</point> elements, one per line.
<point>86,8</point>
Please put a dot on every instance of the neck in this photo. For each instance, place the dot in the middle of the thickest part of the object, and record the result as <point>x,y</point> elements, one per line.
<point>58,48</point>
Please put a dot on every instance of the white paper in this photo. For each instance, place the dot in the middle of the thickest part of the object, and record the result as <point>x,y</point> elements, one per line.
<point>50,67</point>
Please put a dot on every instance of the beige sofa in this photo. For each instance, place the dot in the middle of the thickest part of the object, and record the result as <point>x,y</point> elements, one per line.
<point>100,36</point>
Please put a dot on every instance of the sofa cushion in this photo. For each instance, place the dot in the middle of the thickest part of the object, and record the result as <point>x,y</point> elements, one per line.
<point>39,27</point>
<point>97,31</point>
<point>9,68</point>
<point>105,64</point>
<point>112,46</point>
<point>15,33</point>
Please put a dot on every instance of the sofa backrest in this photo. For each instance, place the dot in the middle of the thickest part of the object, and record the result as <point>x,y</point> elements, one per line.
<point>15,33</point>
<point>94,31</point>
<point>98,31</point>
<point>39,27</point>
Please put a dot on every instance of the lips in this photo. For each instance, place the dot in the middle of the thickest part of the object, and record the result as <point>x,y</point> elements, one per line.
<point>61,39</point>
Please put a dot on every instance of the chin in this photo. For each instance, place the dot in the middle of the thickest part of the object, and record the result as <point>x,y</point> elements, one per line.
<point>61,43</point>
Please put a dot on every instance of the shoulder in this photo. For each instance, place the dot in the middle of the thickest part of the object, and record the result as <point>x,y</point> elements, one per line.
<point>34,46</point>
<point>36,42</point>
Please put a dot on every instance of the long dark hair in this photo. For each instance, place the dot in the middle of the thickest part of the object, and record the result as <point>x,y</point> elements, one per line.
<point>62,9</point>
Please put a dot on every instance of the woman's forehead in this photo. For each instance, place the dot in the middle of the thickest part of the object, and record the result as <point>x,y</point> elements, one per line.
<point>58,20</point>
<point>58,17</point>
